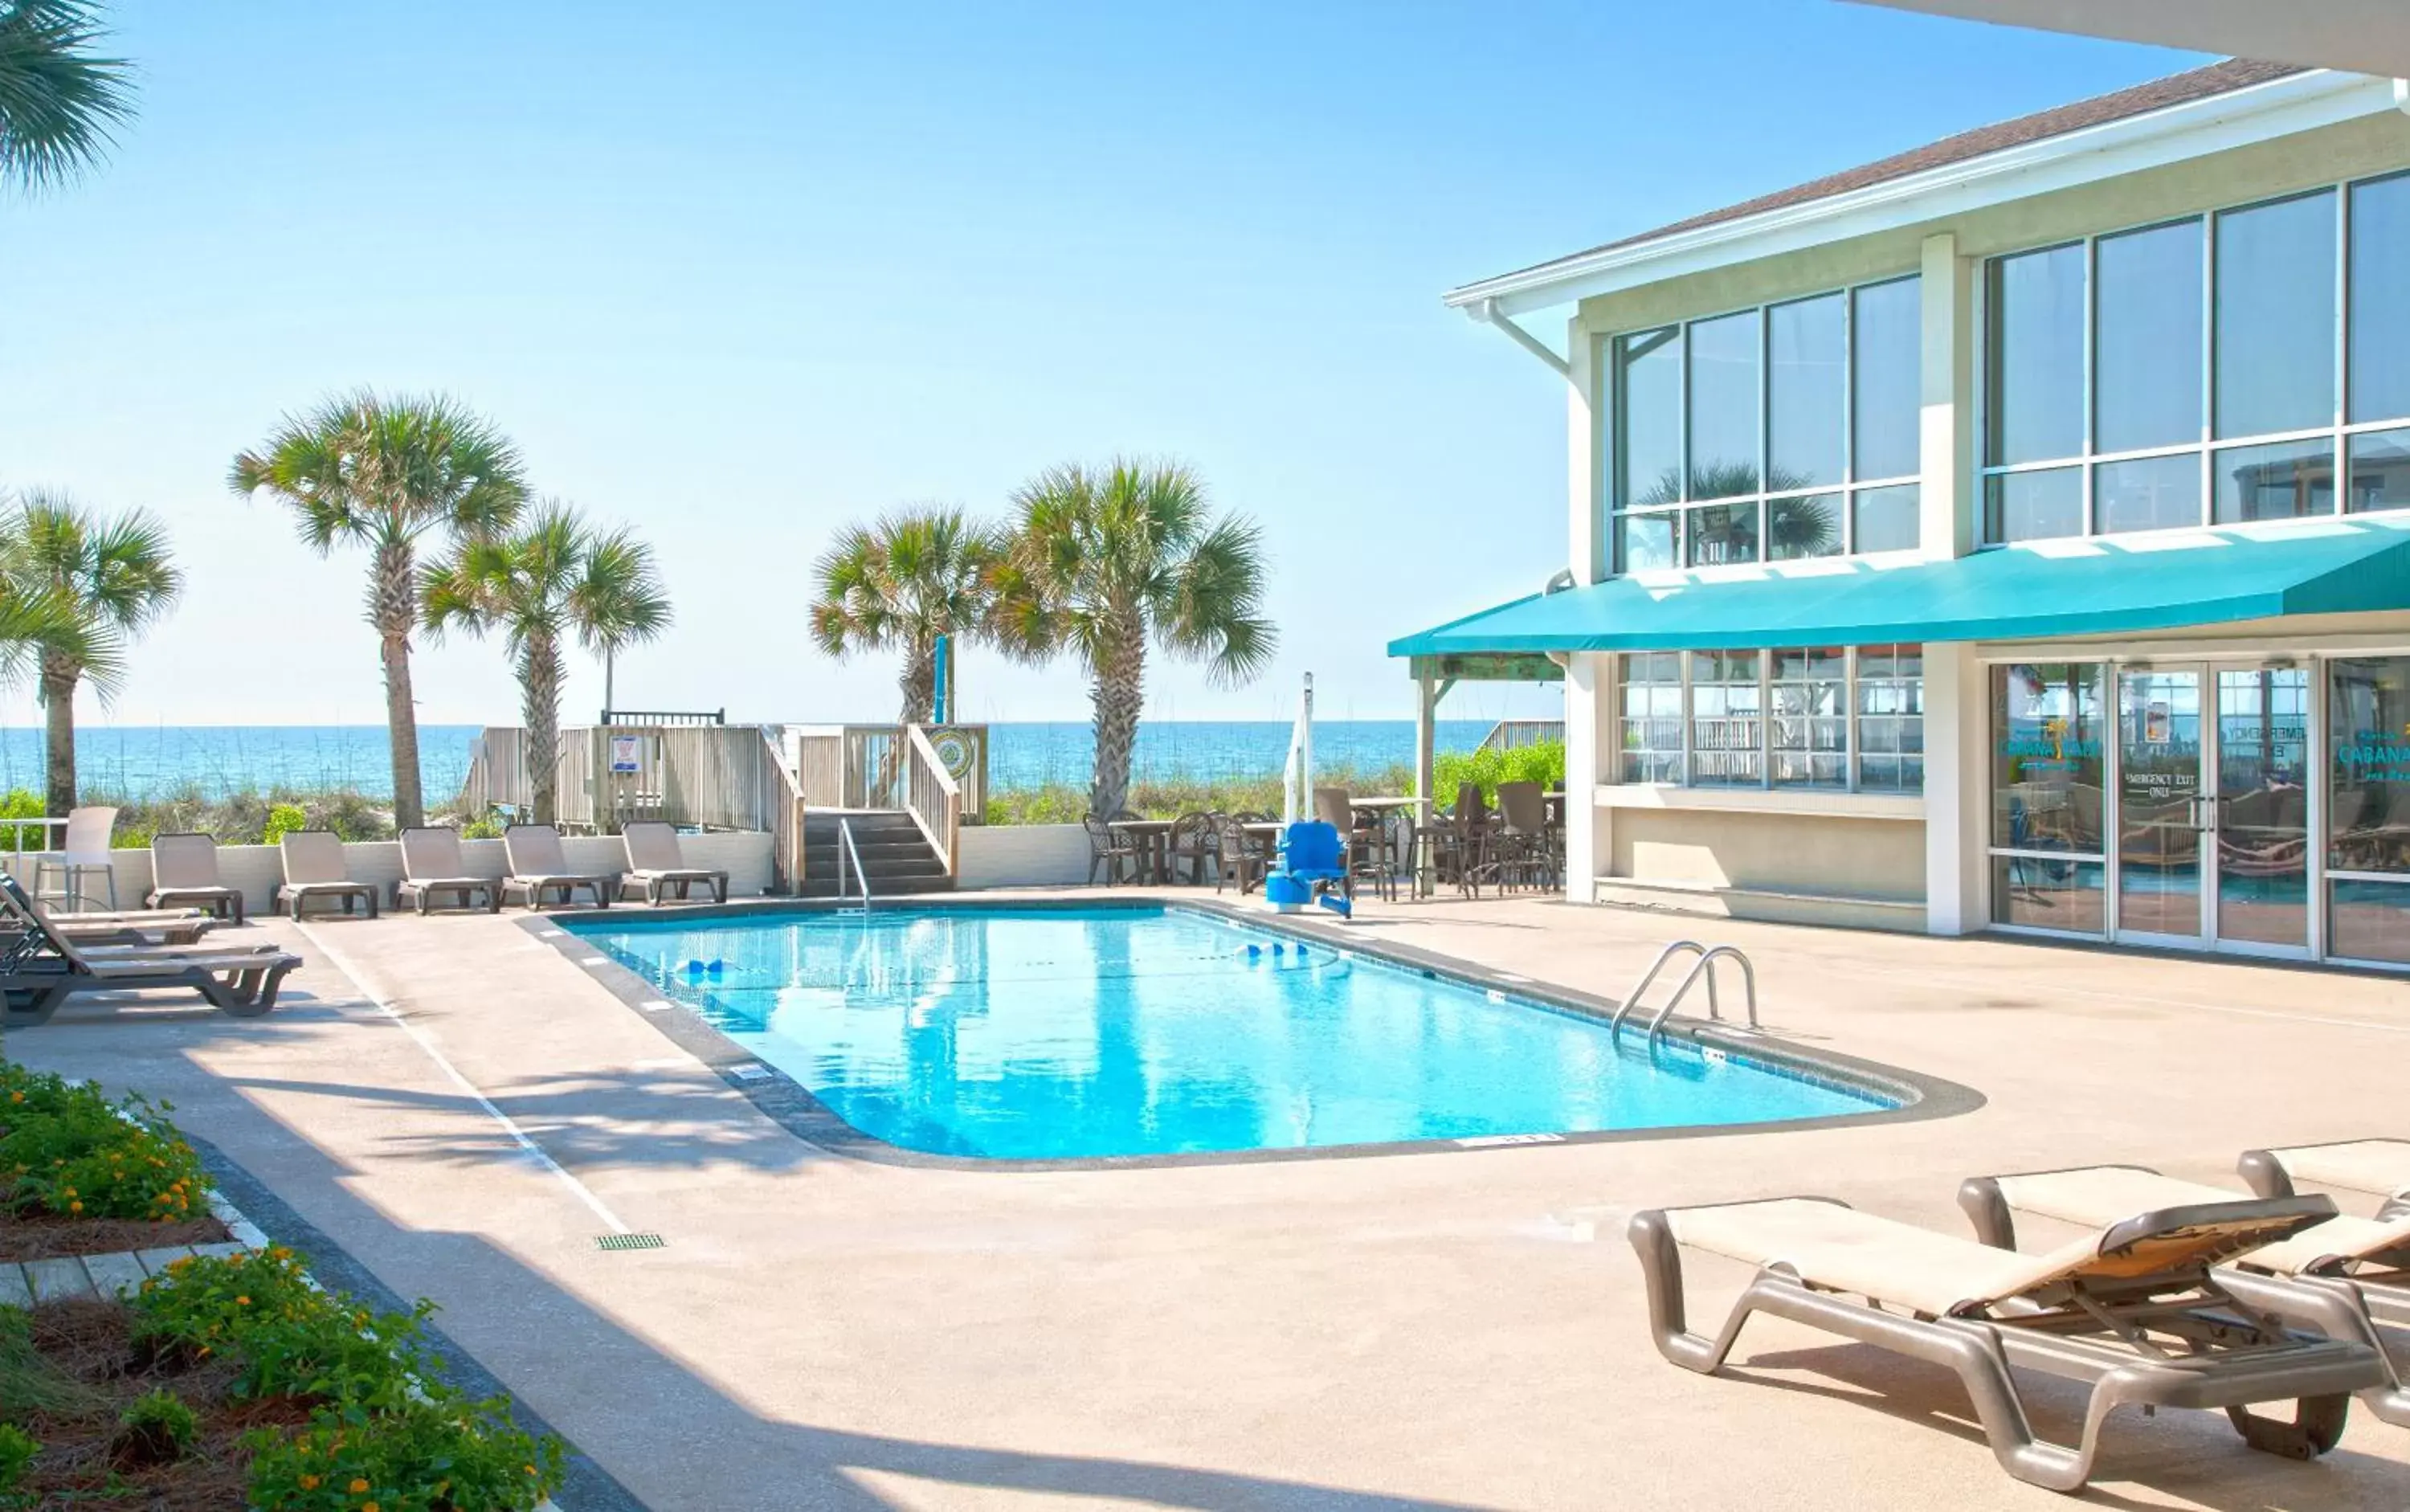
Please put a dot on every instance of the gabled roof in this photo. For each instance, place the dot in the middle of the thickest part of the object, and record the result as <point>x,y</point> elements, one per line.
<point>2181,100</point>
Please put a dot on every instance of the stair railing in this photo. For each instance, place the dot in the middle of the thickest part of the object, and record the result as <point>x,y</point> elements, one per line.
<point>933,798</point>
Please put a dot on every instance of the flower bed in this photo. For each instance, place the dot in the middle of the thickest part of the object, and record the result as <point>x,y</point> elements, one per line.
<point>226,1380</point>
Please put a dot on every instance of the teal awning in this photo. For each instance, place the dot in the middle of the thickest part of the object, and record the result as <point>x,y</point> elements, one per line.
<point>2048,590</point>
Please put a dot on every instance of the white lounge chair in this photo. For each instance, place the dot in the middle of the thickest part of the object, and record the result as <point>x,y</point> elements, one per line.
<point>2342,1277</point>
<point>431,867</point>
<point>656,864</point>
<point>185,873</point>
<point>84,853</point>
<point>2381,1166</point>
<point>539,867</point>
<point>314,868</point>
<point>41,969</point>
<point>2130,1310</point>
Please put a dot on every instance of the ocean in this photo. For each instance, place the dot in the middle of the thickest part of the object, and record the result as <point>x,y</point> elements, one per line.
<point>147,761</point>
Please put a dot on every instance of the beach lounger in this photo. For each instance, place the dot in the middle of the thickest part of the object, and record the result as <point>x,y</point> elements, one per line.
<point>185,873</point>
<point>2378,1166</point>
<point>40,969</point>
<point>314,868</point>
<point>656,864</point>
<point>133,926</point>
<point>2344,1277</point>
<point>2130,1310</point>
<point>538,866</point>
<point>431,867</point>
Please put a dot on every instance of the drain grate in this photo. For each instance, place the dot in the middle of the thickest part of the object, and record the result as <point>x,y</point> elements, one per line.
<point>630,1241</point>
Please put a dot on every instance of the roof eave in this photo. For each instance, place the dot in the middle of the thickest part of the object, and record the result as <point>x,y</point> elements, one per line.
<point>2196,128</point>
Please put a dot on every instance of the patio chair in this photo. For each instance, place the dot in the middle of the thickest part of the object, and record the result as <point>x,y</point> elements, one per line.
<point>2381,1166</point>
<point>41,969</point>
<point>184,874</point>
<point>1195,843</point>
<point>1243,858</point>
<point>656,862</point>
<point>2131,1310</point>
<point>431,867</point>
<point>1465,843</point>
<point>314,868</point>
<point>138,926</point>
<point>539,867</point>
<point>1524,851</point>
<point>2341,1278</point>
<point>1109,848</point>
<point>84,853</point>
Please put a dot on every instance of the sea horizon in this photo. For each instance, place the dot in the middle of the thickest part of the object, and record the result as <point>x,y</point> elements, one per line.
<point>140,763</point>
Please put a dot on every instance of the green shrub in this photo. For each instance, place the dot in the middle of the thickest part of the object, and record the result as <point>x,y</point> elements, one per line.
<point>288,1337</point>
<point>1542,762</point>
<point>486,826</point>
<point>434,1456</point>
<point>283,820</point>
<point>243,818</point>
<point>65,1149</point>
<point>156,1427</point>
<point>384,1431</point>
<point>20,803</point>
<point>17,1451</point>
<point>1061,803</point>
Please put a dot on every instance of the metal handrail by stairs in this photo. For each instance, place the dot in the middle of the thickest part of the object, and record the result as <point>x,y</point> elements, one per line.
<point>846,848</point>
<point>1704,966</point>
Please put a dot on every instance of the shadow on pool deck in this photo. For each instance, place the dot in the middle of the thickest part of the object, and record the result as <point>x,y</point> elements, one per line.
<point>675,1439</point>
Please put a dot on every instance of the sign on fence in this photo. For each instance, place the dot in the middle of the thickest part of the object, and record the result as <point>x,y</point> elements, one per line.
<point>625,754</point>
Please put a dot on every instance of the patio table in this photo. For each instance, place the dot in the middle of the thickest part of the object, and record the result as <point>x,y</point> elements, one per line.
<point>1151,838</point>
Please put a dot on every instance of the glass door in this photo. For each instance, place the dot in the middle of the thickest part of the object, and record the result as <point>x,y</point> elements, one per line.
<point>2162,814</point>
<point>2260,810</point>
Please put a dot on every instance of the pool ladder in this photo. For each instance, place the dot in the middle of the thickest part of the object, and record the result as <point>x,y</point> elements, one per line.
<point>1704,966</point>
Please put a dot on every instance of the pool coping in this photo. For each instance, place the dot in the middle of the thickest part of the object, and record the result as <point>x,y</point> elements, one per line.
<point>792,1105</point>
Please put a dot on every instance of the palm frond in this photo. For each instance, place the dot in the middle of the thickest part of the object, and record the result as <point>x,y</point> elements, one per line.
<point>61,103</point>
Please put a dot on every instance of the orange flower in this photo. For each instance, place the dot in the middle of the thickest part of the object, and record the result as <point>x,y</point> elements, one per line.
<point>358,1486</point>
<point>242,1302</point>
<point>75,1207</point>
<point>308,1483</point>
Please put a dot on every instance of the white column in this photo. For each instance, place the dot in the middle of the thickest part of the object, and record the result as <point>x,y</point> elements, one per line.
<point>1589,550</point>
<point>1956,694</point>
<point>1589,700</point>
<point>1426,741</point>
<point>1957,774</point>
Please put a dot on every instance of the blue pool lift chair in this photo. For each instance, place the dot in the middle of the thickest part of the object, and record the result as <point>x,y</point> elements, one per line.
<point>1313,870</point>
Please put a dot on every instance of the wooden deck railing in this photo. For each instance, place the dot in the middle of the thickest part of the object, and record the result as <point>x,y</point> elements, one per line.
<point>868,766</point>
<point>1514,734</point>
<point>933,797</point>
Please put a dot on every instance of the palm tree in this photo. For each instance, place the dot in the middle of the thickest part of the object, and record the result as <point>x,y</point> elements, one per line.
<point>553,578</point>
<point>1101,563</point>
<point>109,579</point>
<point>59,103</point>
<point>382,473</point>
<point>900,583</point>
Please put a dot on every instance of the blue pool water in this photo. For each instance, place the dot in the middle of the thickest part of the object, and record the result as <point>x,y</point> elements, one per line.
<point>1058,1034</point>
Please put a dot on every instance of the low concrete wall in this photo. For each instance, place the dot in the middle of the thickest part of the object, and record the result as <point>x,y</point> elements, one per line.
<point>744,854</point>
<point>1812,868</point>
<point>1023,855</point>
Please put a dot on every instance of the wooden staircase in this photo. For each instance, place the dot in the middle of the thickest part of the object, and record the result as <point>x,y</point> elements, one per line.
<point>895,856</point>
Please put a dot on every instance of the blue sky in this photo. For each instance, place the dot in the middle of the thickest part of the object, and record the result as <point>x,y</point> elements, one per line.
<point>735,273</point>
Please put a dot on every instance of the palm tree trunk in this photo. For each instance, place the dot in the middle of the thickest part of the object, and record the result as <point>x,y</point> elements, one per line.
<point>540,710</point>
<point>917,682</point>
<point>59,679</point>
<point>1119,693</point>
<point>394,609</point>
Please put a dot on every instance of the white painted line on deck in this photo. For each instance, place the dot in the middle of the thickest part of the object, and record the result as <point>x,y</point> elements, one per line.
<point>510,1127</point>
<point>657,1005</point>
<point>1492,1141</point>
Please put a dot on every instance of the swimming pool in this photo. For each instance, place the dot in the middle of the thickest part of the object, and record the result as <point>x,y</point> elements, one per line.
<point>1064,1034</point>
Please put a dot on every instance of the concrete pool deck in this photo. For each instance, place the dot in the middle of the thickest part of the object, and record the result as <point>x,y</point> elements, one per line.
<point>1460,1329</point>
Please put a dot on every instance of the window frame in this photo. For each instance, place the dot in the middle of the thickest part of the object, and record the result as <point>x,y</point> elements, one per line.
<point>2338,432</point>
<point>1613,430</point>
<point>1687,758</point>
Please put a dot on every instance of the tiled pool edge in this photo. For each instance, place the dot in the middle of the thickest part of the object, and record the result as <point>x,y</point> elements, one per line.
<point>793,1107</point>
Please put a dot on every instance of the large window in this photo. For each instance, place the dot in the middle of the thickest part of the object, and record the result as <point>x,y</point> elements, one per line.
<point>1770,434</point>
<point>2368,820</point>
<point>2186,373</point>
<point>2049,849</point>
<point>1783,718</point>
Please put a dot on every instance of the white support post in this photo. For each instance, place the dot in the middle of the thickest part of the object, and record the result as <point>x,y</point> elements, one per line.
<point>1947,490</point>
<point>1957,773</point>
<point>1426,742</point>
<point>1589,701</point>
<point>1588,551</point>
<point>1957,713</point>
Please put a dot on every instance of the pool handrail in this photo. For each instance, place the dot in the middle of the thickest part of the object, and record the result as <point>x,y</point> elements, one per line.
<point>1704,964</point>
<point>846,848</point>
